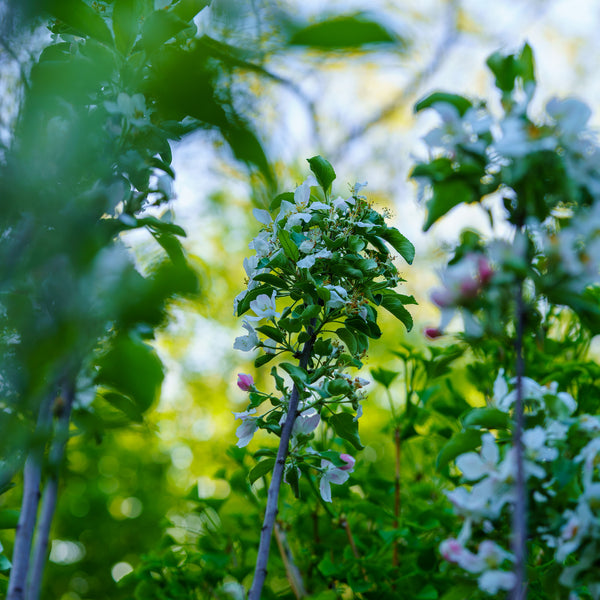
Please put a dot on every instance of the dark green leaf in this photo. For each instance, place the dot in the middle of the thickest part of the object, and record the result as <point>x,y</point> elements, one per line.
<point>271,279</point>
<point>125,405</point>
<point>401,244</point>
<point>260,469</point>
<point>459,444</point>
<point>81,17</point>
<point>9,518</point>
<point>342,32</point>
<point>159,27</point>
<point>323,172</point>
<point>272,332</point>
<point>263,360</point>
<point>347,428</point>
<point>459,102</point>
<point>394,303</point>
<point>311,311</point>
<point>291,477</point>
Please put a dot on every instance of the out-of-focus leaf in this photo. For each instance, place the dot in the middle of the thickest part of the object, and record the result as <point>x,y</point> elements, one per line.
<point>132,368</point>
<point>489,418</point>
<point>81,17</point>
<point>447,195</point>
<point>126,21</point>
<point>461,103</point>
<point>8,518</point>
<point>160,27</point>
<point>186,10</point>
<point>383,376</point>
<point>343,32</point>
<point>462,442</point>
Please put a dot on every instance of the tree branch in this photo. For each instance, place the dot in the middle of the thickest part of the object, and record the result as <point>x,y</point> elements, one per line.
<point>260,572</point>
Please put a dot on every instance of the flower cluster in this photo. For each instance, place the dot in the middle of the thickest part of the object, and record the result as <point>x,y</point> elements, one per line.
<point>566,525</point>
<point>321,268</point>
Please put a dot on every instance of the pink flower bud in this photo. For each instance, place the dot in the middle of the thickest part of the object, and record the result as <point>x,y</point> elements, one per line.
<point>349,460</point>
<point>485,270</point>
<point>469,288</point>
<point>245,382</point>
<point>433,332</point>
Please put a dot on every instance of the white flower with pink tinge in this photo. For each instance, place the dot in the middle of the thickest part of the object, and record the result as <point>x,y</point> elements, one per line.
<point>333,474</point>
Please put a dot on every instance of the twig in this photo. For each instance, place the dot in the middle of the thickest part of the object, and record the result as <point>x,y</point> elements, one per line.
<point>344,523</point>
<point>32,475</point>
<point>260,572</point>
<point>40,544</point>
<point>293,573</point>
<point>519,592</point>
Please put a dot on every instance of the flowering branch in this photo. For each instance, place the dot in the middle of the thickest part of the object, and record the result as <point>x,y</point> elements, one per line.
<point>327,262</point>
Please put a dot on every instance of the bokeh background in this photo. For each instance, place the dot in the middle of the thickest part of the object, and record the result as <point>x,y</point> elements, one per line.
<point>122,495</point>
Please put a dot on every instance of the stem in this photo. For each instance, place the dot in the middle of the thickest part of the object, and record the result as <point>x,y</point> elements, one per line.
<point>293,573</point>
<point>519,592</point>
<point>260,572</point>
<point>397,506</point>
<point>40,545</point>
<point>32,475</point>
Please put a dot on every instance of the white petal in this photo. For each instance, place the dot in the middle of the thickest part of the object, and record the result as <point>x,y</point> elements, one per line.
<point>262,216</point>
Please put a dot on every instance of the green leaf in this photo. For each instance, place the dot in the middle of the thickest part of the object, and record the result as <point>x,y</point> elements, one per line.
<point>323,172</point>
<point>311,311</point>
<point>461,103</point>
<point>291,476</point>
<point>347,428</point>
<point>339,387</point>
<point>383,376</point>
<point>427,593</point>
<point>131,368</point>
<point>298,375</point>
<point>263,360</point>
<point>125,405</point>
<point>459,444</point>
<point>488,418</point>
<point>81,17</point>
<point>447,195</point>
<point>260,469</point>
<point>507,68</point>
<point>160,27</point>
<point>369,328</point>
<point>126,22</point>
<point>393,303</point>
<point>276,202</point>
<point>186,10</point>
<point>271,279</point>
<point>290,249</point>
<point>342,32</point>
<point>348,338</point>
<point>161,226</point>
<point>9,518</point>
<point>401,244</point>
<point>272,332</point>
<point>244,303</point>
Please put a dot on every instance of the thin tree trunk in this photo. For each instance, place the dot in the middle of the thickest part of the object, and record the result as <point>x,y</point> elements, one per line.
<point>32,475</point>
<point>49,497</point>
<point>260,572</point>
